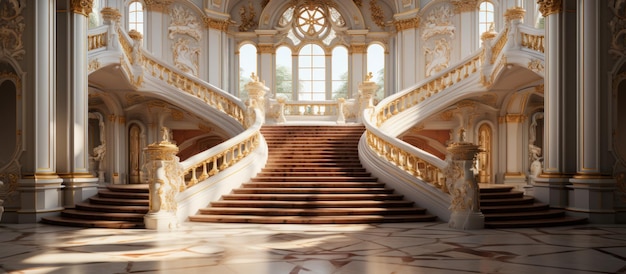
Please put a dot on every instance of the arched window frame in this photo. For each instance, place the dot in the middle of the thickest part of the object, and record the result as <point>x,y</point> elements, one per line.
<point>377,71</point>
<point>247,64</point>
<point>486,16</point>
<point>136,17</point>
<point>312,73</point>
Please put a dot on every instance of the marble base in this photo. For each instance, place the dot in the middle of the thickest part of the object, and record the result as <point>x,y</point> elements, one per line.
<point>467,220</point>
<point>161,221</point>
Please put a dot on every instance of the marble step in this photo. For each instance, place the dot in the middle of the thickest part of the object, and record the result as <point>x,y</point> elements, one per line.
<point>119,202</point>
<point>309,204</point>
<point>524,215</point>
<point>275,168</point>
<point>501,195</point>
<point>108,216</point>
<point>313,164</point>
<point>303,184</point>
<point>313,174</point>
<point>277,196</point>
<point>562,221</point>
<point>312,212</point>
<point>111,208</point>
<point>312,191</point>
<point>139,188</point>
<point>311,179</point>
<point>123,195</point>
<point>312,219</point>
<point>63,221</point>
<point>491,188</point>
<point>526,200</point>
<point>514,208</point>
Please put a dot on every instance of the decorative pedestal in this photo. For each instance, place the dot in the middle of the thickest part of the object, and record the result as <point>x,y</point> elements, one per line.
<point>256,93</point>
<point>463,187</point>
<point>367,89</point>
<point>165,176</point>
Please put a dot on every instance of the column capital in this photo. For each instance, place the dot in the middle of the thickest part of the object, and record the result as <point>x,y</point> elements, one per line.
<point>547,7</point>
<point>461,6</point>
<point>83,7</point>
<point>405,24</point>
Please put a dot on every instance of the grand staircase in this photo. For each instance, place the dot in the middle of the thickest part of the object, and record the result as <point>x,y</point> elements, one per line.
<point>504,207</point>
<point>116,206</point>
<point>313,176</point>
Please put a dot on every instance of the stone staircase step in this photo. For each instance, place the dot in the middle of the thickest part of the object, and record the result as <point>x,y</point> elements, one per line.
<point>501,195</point>
<point>111,208</point>
<point>316,179</point>
<point>490,188</point>
<point>313,219</point>
<point>313,185</point>
<point>309,204</point>
<point>63,221</point>
<point>312,190</point>
<point>119,202</point>
<point>562,221</point>
<point>312,197</point>
<point>312,212</point>
<point>514,208</point>
<point>123,195</point>
<point>107,216</point>
<point>513,201</point>
<point>314,174</point>
<point>524,215</point>
<point>312,169</point>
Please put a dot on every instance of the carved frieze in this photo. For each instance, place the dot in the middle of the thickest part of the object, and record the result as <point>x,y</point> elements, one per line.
<point>186,56</point>
<point>83,7</point>
<point>378,16</point>
<point>437,56</point>
<point>438,22</point>
<point>11,29</point>
<point>184,23</point>
<point>247,15</point>
<point>406,24</point>
<point>461,6</point>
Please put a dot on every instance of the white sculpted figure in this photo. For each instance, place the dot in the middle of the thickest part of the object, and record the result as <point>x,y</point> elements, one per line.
<point>439,57</point>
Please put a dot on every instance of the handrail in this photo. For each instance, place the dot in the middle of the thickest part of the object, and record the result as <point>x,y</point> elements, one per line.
<point>97,38</point>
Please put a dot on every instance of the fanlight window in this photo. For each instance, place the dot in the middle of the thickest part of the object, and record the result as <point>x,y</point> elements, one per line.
<point>135,17</point>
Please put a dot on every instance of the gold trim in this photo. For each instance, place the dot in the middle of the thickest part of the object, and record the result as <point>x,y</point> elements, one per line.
<point>406,24</point>
<point>461,6</point>
<point>41,176</point>
<point>548,7</point>
<point>76,175</point>
<point>83,7</point>
<point>111,14</point>
<point>221,25</point>
<point>592,176</point>
<point>266,49</point>
<point>515,13</point>
<point>358,49</point>
<point>512,118</point>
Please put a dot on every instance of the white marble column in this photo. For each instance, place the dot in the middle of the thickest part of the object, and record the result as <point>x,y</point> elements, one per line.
<point>593,184</point>
<point>40,186</point>
<point>79,182</point>
<point>411,65</point>
<point>552,185</point>
<point>514,153</point>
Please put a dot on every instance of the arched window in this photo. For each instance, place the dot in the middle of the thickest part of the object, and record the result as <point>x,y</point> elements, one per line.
<point>284,75</point>
<point>247,66</point>
<point>311,73</point>
<point>485,16</point>
<point>340,73</point>
<point>376,65</point>
<point>135,17</point>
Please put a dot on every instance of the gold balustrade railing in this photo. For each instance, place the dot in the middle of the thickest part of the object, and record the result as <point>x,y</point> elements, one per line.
<point>533,42</point>
<point>215,164</point>
<point>127,48</point>
<point>499,45</point>
<point>408,162</point>
<point>432,87</point>
<point>97,41</point>
<point>311,108</point>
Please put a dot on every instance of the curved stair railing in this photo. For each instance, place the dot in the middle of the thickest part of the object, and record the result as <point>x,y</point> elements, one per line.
<point>207,175</point>
<point>416,173</point>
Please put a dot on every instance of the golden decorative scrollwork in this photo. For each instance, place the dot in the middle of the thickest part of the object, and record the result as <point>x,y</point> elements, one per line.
<point>83,7</point>
<point>515,13</point>
<point>378,16</point>
<point>111,14</point>
<point>461,6</point>
<point>547,7</point>
<point>216,24</point>
<point>406,24</point>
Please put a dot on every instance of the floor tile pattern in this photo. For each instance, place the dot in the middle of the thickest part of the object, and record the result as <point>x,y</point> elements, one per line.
<point>298,249</point>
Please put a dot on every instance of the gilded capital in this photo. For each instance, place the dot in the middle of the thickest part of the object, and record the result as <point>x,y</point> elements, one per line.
<point>266,49</point>
<point>461,6</point>
<point>406,24</point>
<point>515,13</point>
<point>216,24</point>
<point>547,7</point>
<point>83,7</point>
<point>157,5</point>
<point>358,49</point>
<point>111,14</point>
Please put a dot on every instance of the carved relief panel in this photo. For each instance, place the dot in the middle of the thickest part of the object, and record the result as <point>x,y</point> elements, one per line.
<point>437,32</point>
<point>186,32</point>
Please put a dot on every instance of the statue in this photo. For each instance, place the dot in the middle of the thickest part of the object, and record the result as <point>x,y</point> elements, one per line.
<point>369,76</point>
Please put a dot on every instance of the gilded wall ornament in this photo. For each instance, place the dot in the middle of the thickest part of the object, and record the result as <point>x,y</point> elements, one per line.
<point>547,7</point>
<point>83,7</point>
<point>184,23</point>
<point>378,16</point>
<point>406,24</point>
<point>438,57</point>
<point>11,29</point>
<point>438,23</point>
<point>536,66</point>
<point>461,6</point>
<point>186,56</point>
<point>94,65</point>
<point>110,14</point>
<point>157,5</point>
<point>247,15</point>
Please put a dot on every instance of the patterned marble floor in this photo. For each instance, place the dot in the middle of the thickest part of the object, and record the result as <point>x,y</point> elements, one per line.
<point>360,249</point>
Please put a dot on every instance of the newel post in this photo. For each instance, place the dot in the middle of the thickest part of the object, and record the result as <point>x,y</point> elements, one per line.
<point>256,93</point>
<point>367,89</point>
<point>462,184</point>
<point>165,176</point>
